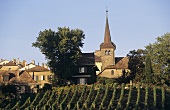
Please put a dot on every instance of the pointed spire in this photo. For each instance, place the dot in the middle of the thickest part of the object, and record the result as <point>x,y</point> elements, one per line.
<point>107,38</point>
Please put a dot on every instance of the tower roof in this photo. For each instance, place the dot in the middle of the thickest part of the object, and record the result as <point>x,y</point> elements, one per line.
<point>107,38</point>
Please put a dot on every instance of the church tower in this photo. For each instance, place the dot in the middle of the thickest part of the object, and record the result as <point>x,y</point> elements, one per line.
<point>107,48</point>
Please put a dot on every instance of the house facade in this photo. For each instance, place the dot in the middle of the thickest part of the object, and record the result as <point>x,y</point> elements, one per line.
<point>24,78</point>
<point>109,66</point>
<point>86,69</point>
<point>41,75</point>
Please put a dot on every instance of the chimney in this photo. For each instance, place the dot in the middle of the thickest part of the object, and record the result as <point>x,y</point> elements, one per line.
<point>24,63</point>
<point>17,61</point>
<point>45,66</point>
<point>33,62</point>
<point>42,64</point>
<point>13,60</point>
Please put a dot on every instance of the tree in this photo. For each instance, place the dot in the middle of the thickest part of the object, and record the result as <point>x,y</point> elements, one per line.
<point>159,53</point>
<point>148,69</point>
<point>61,49</point>
<point>152,65</point>
<point>136,64</point>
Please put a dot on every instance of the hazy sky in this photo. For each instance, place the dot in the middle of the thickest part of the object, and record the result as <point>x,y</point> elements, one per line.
<point>133,23</point>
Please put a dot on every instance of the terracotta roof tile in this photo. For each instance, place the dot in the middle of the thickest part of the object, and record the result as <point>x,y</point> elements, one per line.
<point>37,69</point>
<point>97,59</point>
<point>107,45</point>
<point>121,63</point>
<point>10,64</point>
<point>24,78</point>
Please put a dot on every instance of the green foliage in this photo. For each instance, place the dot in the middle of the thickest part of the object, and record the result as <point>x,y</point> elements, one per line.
<point>148,69</point>
<point>105,97</point>
<point>146,97</point>
<point>113,97</point>
<point>154,94</point>
<point>163,98</point>
<point>138,97</point>
<point>159,53</point>
<point>129,97</point>
<point>119,104</point>
<point>8,89</point>
<point>152,65</point>
<point>136,64</point>
<point>61,49</point>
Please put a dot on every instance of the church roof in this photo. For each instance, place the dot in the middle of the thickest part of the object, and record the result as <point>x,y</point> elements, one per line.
<point>107,38</point>
<point>97,59</point>
<point>120,63</point>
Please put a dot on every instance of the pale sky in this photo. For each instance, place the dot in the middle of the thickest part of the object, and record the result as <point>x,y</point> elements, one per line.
<point>133,23</point>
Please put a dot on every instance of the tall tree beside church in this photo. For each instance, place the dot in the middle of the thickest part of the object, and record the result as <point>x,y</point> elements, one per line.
<point>61,49</point>
<point>160,54</point>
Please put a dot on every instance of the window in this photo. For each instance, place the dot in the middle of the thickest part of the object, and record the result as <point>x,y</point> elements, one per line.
<point>6,78</point>
<point>42,77</point>
<point>82,70</point>
<point>82,81</point>
<point>109,52</point>
<point>112,72</point>
<point>106,52</point>
<point>36,78</point>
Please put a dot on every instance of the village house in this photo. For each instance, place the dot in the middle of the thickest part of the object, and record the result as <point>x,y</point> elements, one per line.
<point>17,73</point>
<point>41,75</point>
<point>86,69</point>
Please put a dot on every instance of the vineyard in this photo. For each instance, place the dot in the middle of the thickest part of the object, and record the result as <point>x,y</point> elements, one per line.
<point>94,97</point>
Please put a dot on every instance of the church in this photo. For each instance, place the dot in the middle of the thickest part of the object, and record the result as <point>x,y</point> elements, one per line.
<point>110,66</point>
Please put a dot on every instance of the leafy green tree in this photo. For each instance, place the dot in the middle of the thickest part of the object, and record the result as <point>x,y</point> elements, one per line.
<point>160,54</point>
<point>152,65</point>
<point>61,49</point>
<point>136,64</point>
<point>148,69</point>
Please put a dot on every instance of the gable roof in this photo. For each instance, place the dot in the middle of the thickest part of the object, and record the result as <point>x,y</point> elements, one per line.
<point>120,63</point>
<point>24,78</point>
<point>10,64</point>
<point>86,59</point>
<point>97,59</point>
<point>37,69</point>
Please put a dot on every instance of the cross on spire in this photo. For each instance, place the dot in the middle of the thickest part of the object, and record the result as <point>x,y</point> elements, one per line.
<point>106,12</point>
